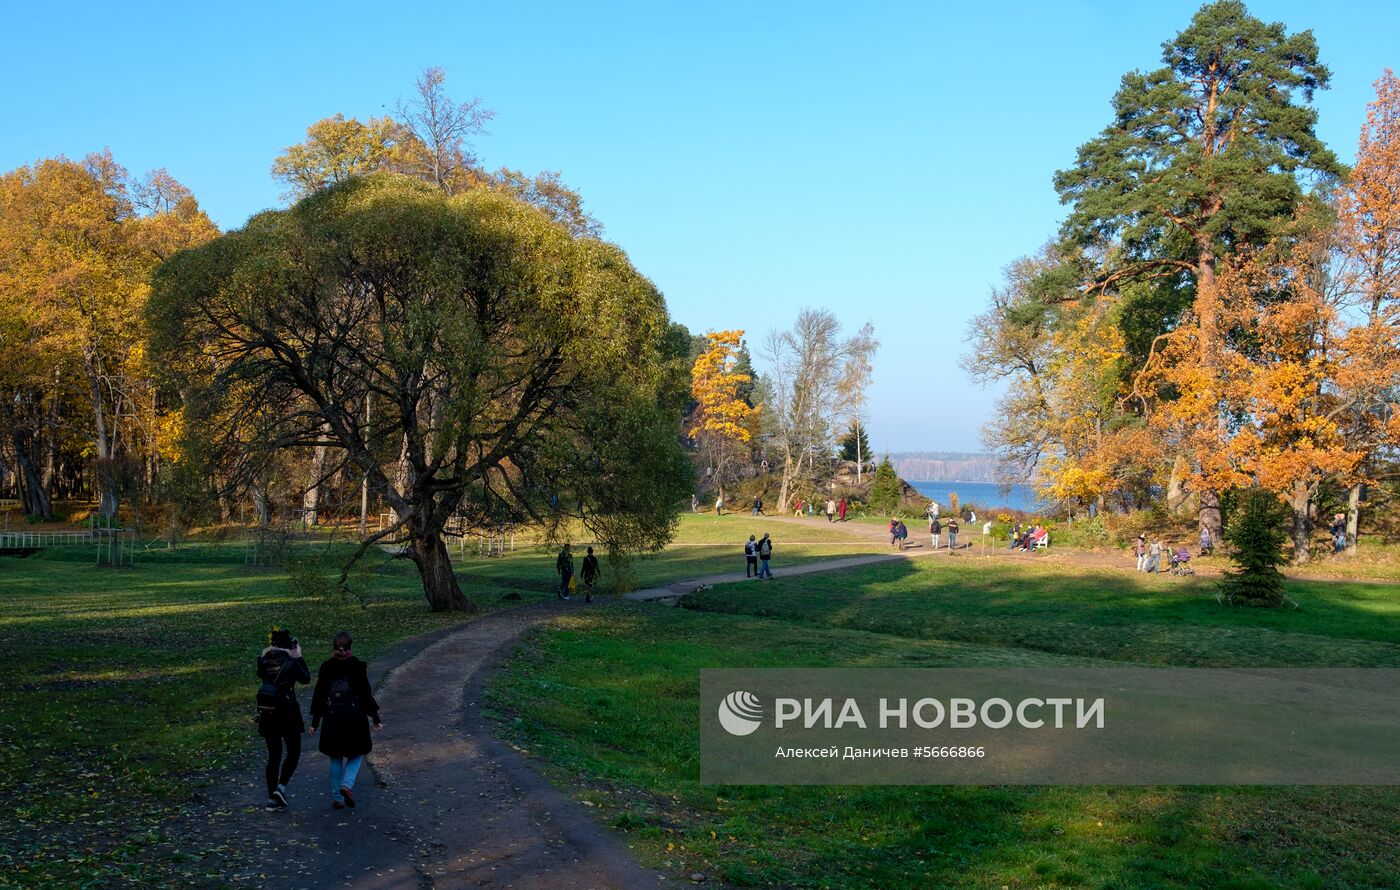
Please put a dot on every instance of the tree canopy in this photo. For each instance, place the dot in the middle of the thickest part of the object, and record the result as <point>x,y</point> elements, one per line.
<point>503,359</point>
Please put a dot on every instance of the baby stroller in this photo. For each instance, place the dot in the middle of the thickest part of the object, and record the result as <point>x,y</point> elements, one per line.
<point>1181,563</point>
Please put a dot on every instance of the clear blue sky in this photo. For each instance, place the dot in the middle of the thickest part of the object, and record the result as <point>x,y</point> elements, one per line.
<point>882,160</point>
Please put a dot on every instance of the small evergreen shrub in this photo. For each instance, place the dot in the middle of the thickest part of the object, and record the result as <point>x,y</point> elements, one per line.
<point>885,490</point>
<point>1257,533</point>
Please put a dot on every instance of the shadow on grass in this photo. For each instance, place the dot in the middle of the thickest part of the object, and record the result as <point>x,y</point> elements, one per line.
<point>1097,614</point>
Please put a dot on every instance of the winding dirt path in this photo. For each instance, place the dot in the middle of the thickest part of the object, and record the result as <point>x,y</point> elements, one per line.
<point>445,804</point>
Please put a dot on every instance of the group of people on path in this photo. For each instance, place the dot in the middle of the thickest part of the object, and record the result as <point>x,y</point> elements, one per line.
<point>836,508</point>
<point>342,708</point>
<point>756,556</point>
<point>1149,555</point>
<point>936,527</point>
<point>564,568</point>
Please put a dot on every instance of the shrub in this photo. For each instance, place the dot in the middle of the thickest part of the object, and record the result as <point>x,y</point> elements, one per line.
<point>885,490</point>
<point>1257,534</point>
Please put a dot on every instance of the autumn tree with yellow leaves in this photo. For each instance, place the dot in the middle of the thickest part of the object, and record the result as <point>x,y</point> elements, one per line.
<point>1368,248</point>
<point>722,423</point>
<point>78,244</point>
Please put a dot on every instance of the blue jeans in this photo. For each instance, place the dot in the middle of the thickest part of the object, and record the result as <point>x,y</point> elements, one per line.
<point>763,570</point>
<point>1153,563</point>
<point>343,773</point>
<point>952,540</point>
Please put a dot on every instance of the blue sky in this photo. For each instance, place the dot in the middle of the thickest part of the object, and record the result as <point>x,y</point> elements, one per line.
<point>882,160</point>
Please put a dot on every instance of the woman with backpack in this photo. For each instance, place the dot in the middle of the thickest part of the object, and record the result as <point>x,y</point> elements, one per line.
<point>345,703</point>
<point>280,667</point>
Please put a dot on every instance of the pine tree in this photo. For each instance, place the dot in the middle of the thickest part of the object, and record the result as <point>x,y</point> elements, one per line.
<point>885,490</point>
<point>1257,533</point>
<point>1203,155</point>
<point>855,445</point>
<point>743,368</point>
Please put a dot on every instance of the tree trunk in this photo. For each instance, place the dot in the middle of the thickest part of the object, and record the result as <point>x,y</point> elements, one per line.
<point>260,506</point>
<point>860,458</point>
<point>1353,517</point>
<point>1209,508</point>
<point>403,475</point>
<point>1298,502</point>
<point>429,553</point>
<point>311,499</point>
<point>1209,515</point>
<point>1176,491</point>
<point>106,473</point>
<point>785,489</point>
<point>34,494</point>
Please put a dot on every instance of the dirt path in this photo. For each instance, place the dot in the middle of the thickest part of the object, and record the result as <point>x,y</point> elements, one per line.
<point>445,804</point>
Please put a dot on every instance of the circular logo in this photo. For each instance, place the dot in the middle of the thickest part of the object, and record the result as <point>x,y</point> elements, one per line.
<point>740,713</point>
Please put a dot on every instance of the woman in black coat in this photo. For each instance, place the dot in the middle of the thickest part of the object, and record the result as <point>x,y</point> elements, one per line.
<point>280,667</point>
<point>345,704</point>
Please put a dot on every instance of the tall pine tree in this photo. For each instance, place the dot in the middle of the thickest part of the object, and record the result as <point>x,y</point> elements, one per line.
<point>855,445</point>
<point>1203,155</point>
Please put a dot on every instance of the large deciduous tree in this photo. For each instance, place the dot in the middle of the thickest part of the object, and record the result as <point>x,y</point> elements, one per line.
<point>1368,244</point>
<point>810,364</point>
<point>1203,155</point>
<point>721,422</point>
<point>519,372</point>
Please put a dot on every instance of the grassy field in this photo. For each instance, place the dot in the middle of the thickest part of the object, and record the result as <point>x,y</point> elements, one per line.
<point>606,701</point>
<point>120,688</point>
<point>705,545</point>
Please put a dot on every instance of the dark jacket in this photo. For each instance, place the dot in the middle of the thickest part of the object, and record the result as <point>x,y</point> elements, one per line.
<point>765,548</point>
<point>277,666</point>
<point>344,736</point>
<point>590,569</point>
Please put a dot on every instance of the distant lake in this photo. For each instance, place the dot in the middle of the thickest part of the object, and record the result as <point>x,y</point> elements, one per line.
<point>983,494</point>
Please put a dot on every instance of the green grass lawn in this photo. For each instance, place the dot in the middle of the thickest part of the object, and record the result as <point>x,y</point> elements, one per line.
<point>607,701</point>
<point>704,545</point>
<point>121,687</point>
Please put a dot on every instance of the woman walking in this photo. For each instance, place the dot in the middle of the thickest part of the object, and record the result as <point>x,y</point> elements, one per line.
<point>344,701</point>
<point>280,667</point>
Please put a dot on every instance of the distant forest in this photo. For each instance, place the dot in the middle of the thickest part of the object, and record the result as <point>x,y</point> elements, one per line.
<point>944,466</point>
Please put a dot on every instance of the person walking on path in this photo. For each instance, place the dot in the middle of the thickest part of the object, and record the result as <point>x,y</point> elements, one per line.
<point>901,533</point>
<point>1140,548</point>
<point>564,567</point>
<point>1154,557</point>
<point>952,533</point>
<point>935,530</point>
<point>830,510</point>
<point>754,512</point>
<point>694,504</point>
<point>719,506</point>
<point>280,667</point>
<point>751,558</point>
<point>1207,546</point>
<point>841,509</point>
<point>591,574</point>
<point>344,702</point>
<point>765,553</point>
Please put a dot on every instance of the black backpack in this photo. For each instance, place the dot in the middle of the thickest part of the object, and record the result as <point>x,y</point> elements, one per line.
<point>341,700</point>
